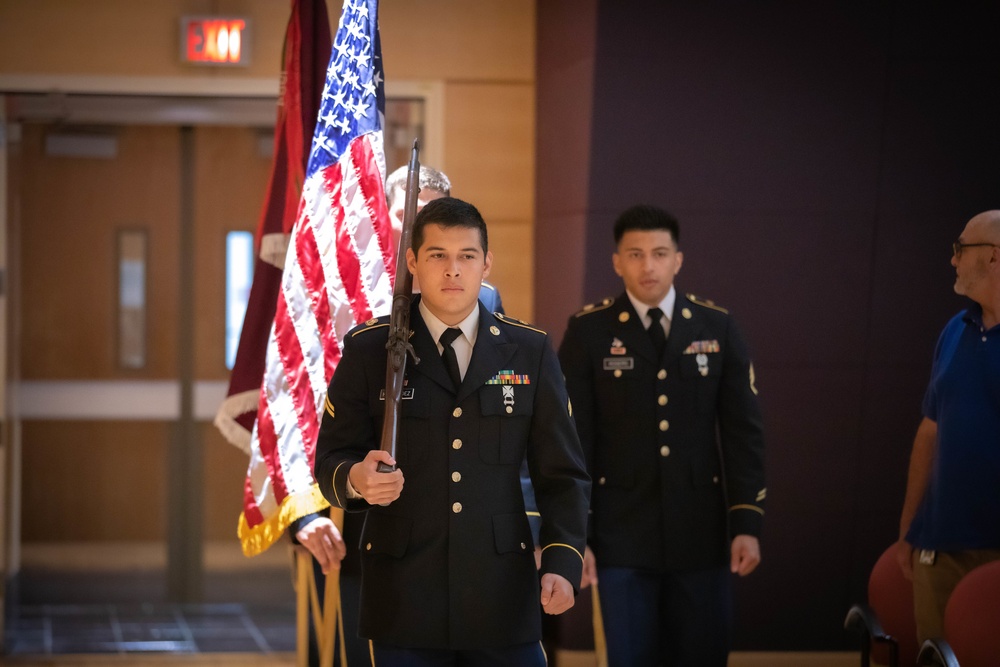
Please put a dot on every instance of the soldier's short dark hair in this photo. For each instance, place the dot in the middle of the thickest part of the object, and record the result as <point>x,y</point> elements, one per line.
<point>646,218</point>
<point>448,212</point>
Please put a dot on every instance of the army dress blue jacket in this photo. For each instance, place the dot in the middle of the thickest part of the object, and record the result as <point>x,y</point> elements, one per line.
<point>450,564</point>
<point>674,444</point>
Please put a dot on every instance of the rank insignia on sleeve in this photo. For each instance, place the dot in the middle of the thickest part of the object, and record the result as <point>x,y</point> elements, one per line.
<point>702,347</point>
<point>509,377</point>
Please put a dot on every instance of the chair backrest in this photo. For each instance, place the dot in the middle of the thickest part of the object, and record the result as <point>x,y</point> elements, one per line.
<point>890,594</point>
<point>972,617</point>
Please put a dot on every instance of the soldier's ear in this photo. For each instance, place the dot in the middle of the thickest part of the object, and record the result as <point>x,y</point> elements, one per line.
<point>615,262</point>
<point>488,264</point>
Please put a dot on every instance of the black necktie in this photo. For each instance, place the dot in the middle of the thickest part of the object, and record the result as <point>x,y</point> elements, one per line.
<point>448,354</point>
<point>656,330</point>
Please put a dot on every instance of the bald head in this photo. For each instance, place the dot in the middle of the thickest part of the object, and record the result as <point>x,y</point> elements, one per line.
<point>985,226</point>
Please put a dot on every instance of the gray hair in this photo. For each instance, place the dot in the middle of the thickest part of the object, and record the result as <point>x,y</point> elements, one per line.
<point>430,179</point>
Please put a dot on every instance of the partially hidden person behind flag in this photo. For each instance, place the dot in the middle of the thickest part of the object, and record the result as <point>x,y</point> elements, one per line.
<point>448,572</point>
<point>666,407</point>
<point>950,523</point>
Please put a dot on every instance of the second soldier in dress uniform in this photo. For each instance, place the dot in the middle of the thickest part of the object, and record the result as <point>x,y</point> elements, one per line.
<point>448,572</point>
<point>666,408</point>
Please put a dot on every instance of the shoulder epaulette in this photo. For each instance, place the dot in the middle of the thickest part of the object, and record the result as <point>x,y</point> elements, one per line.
<point>595,307</point>
<point>507,319</point>
<point>706,303</point>
<point>370,325</point>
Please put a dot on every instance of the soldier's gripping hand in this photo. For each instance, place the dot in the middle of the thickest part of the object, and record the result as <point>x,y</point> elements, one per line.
<point>324,542</point>
<point>557,593</point>
<point>377,488</point>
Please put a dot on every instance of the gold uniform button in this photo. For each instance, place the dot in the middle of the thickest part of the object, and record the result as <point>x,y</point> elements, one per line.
<point>456,508</point>
<point>456,444</point>
<point>368,547</point>
<point>662,375</point>
<point>456,413</point>
<point>456,476</point>
<point>510,409</point>
<point>602,481</point>
<point>618,372</point>
<point>715,479</point>
<point>664,451</point>
<point>662,400</point>
<point>664,425</point>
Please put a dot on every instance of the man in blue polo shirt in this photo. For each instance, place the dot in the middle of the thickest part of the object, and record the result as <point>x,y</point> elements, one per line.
<point>950,522</point>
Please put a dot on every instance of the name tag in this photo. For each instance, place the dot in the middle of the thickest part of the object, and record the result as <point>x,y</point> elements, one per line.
<point>407,394</point>
<point>615,364</point>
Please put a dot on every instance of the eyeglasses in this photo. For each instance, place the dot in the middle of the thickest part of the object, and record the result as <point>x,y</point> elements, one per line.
<point>957,247</point>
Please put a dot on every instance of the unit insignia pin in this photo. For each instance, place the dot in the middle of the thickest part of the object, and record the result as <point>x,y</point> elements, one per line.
<point>686,313</point>
<point>508,397</point>
<point>494,330</point>
<point>702,360</point>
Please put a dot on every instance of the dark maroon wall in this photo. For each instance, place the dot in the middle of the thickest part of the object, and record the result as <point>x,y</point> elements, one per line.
<point>820,156</point>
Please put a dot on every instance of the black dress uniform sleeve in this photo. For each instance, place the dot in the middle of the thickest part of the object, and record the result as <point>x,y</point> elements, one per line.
<point>337,449</point>
<point>741,437</point>
<point>578,372</point>
<point>558,474</point>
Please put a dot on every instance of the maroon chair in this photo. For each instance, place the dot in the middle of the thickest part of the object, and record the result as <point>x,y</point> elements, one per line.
<point>972,617</point>
<point>886,624</point>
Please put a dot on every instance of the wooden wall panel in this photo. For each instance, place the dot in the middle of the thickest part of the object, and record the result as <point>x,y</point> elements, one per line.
<point>486,40</point>
<point>100,481</point>
<point>490,158</point>
<point>127,38</point>
<point>71,210</point>
<point>511,244</point>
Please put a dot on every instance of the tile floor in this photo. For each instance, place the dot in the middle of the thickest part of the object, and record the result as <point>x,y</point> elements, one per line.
<point>56,629</point>
<point>66,612</point>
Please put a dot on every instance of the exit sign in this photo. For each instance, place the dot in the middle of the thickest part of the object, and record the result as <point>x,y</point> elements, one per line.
<point>215,40</point>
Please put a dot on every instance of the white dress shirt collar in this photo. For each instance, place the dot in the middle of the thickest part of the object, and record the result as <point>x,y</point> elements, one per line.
<point>462,345</point>
<point>642,310</point>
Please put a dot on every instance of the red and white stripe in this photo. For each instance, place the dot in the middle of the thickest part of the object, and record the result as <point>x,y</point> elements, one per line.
<point>338,272</point>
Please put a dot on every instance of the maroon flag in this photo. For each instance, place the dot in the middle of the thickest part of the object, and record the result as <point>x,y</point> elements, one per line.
<point>304,61</point>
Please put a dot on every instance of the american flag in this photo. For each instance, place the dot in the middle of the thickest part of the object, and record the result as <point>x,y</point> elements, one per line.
<point>338,272</point>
